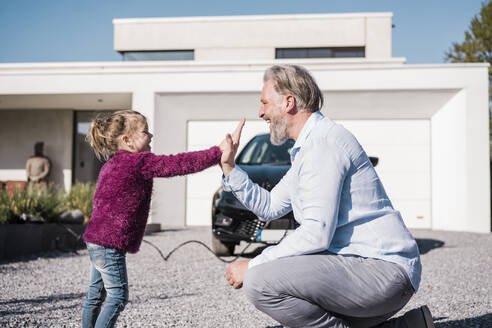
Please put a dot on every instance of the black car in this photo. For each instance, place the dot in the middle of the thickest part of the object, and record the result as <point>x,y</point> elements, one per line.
<point>232,223</point>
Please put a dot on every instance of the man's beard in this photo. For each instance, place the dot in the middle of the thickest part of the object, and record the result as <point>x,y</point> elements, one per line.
<point>278,134</point>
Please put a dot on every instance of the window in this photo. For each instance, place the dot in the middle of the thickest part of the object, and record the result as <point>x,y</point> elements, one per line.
<point>260,151</point>
<point>331,52</point>
<point>159,55</point>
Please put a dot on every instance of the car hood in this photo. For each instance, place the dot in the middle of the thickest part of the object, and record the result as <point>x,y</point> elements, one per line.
<point>267,176</point>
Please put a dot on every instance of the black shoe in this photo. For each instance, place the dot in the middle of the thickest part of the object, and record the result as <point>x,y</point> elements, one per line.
<point>419,318</point>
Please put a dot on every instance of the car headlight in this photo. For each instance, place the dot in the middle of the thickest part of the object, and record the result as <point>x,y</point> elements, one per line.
<point>222,220</point>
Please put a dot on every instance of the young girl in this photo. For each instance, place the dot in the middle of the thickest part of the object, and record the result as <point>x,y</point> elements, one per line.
<point>121,204</point>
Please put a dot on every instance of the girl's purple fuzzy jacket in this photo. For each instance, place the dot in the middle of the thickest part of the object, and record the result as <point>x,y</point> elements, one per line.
<point>123,192</point>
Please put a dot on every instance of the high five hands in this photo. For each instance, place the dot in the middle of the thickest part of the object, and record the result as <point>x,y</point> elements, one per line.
<point>229,148</point>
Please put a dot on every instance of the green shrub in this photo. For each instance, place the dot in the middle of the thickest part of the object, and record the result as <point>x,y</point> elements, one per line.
<point>5,212</point>
<point>37,200</point>
<point>46,202</point>
<point>80,197</point>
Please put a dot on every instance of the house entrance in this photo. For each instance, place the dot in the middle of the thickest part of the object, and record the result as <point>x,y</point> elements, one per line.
<point>86,166</point>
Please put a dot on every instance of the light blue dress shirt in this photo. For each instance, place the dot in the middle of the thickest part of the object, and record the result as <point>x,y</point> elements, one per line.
<point>336,197</point>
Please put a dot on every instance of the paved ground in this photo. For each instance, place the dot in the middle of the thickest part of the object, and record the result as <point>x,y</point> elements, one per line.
<point>190,289</point>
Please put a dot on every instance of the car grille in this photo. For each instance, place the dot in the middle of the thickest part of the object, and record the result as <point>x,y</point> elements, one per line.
<point>249,228</point>
<point>245,225</point>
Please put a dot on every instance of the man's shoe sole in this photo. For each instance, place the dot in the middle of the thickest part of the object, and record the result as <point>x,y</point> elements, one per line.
<point>427,316</point>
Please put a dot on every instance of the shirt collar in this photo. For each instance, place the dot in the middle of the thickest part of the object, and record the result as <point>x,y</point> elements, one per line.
<point>306,130</point>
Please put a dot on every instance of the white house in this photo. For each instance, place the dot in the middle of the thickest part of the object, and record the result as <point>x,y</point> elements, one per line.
<point>195,77</point>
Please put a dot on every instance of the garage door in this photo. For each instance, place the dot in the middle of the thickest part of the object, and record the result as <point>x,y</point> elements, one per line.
<point>403,149</point>
<point>402,146</point>
<point>200,187</point>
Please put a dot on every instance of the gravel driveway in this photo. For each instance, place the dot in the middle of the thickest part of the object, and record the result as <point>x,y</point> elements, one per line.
<point>190,289</point>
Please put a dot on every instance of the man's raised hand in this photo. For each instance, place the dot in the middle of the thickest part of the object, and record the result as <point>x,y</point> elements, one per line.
<point>229,148</point>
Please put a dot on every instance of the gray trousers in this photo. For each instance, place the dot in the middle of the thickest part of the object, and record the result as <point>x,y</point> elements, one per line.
<point>328,290</point>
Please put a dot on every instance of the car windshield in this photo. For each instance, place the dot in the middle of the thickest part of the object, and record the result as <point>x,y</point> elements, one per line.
<point>260,151</point>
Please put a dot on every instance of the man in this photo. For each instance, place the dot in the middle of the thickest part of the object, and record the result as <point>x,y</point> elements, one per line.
<point>352,262</point>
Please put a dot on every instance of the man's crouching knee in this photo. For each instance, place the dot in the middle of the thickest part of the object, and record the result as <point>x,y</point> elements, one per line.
<point>255,286</point>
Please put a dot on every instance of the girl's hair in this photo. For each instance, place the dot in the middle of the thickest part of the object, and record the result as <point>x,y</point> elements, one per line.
<point>106,128</point>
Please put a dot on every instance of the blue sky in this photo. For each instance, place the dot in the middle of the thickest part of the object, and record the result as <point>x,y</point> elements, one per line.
<point>82,30</point>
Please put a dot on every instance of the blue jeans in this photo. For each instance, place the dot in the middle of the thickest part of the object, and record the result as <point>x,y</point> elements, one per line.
<point>109,281</point>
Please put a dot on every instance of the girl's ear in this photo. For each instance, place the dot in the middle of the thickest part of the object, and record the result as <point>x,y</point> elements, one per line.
<point>126,141</point>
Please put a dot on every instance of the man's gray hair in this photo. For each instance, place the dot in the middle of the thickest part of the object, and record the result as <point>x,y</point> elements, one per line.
<point>297,81</point>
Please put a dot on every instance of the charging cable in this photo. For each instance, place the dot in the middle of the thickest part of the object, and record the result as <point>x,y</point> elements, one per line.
<point>165,258</point>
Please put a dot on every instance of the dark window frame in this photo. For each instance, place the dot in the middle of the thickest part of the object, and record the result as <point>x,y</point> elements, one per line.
<point>154,55</point>
<point>320,52</point>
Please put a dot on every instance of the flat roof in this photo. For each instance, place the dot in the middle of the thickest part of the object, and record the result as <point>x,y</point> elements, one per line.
<point>212,66</point>
<point>248,18</point>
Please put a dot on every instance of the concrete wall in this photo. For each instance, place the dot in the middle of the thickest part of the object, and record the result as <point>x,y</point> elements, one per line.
<point>255,37</point>
<point>19,240</point>
<point>20,129</point>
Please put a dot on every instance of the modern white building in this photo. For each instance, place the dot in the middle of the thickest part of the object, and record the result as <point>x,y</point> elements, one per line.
<point>194,78</point>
